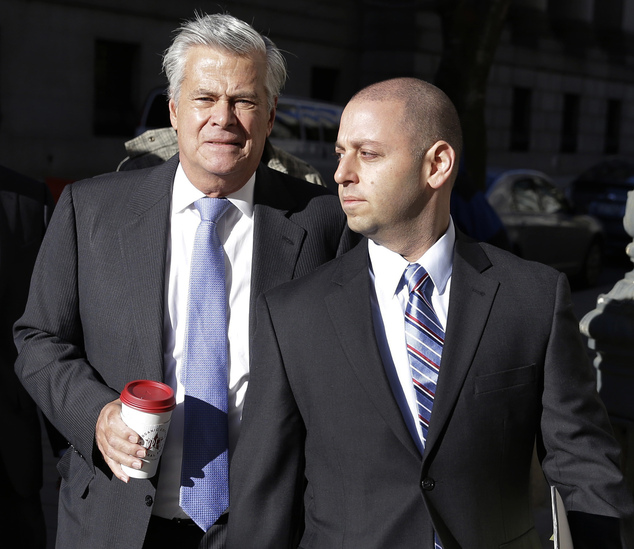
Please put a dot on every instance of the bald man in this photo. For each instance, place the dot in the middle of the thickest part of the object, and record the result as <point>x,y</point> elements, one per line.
<point>398,391</point>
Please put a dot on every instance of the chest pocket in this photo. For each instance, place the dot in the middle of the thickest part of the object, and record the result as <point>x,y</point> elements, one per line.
<point>505,380</point>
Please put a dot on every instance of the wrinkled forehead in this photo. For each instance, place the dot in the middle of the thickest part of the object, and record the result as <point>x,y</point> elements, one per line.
<point>213,71</point>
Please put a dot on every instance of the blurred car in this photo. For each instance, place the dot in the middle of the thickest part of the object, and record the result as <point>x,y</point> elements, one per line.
<point>601,191</point>
<point>155,113</point>
<point>542,226</point>
<point>308,129</point>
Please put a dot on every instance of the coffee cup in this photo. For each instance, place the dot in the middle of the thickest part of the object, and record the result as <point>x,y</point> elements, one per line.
<point>146,407</point>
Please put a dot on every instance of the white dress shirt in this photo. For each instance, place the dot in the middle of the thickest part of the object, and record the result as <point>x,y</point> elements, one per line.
<point>235,229</point>
<point>388,308</point>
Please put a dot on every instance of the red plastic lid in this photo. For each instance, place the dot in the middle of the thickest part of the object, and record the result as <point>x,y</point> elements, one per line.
<point>153,397</point>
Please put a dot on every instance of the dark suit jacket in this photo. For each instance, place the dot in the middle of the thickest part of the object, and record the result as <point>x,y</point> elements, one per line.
<point>94,320</point>
<point>320,407</point>
<point>26,206</point>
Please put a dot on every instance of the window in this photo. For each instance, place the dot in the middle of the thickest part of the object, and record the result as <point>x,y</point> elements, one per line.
<point>521,119</point>
<point>612,127</point>
<point>115,69</point>
<point>570,123</point>
<point>323,83</point>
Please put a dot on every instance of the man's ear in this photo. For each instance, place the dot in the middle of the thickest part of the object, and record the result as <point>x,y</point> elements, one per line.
<point>442,160</point>
<point>272,117</point>
<point>173,111</point>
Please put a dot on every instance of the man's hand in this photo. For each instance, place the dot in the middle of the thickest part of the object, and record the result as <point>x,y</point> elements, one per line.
<point>118,444</point>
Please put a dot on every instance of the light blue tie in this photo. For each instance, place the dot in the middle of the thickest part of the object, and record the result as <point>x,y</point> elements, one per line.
<point>425,338</point>
<point>204,493</point>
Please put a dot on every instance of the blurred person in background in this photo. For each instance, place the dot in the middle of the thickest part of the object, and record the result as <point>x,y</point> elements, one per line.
<point>26,206</point>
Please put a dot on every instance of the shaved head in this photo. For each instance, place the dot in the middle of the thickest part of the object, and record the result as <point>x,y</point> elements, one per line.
<point>430,116</point>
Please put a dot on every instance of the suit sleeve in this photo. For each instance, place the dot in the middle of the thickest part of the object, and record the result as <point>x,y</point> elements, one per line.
<point>52,364</point>
<point>579,454</point>
<point>267,472</point>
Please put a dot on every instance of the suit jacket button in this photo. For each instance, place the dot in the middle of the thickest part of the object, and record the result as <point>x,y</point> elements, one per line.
<point>428,484</point>
<point>149,501</point>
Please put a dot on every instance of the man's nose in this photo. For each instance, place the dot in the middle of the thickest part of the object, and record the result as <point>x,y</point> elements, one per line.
<point>345,173</point>
<point>223,114</point>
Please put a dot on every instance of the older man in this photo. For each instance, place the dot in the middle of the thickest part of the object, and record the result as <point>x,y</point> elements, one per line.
<point>128,285</point>
<point>399,390</point>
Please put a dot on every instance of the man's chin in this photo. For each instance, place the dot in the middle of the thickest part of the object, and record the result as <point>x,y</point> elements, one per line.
<point>355,224</point>
<point>223,167</point>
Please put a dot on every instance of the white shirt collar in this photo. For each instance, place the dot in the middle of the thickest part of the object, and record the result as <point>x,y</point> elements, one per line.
<point>184,194</point>
<point>388,266</point>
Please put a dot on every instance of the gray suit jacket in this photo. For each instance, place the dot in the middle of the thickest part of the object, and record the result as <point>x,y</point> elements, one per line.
<point>94,319</point>
<point>320,409</point>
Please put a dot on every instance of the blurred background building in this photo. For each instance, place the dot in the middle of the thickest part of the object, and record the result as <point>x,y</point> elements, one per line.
<point>75,74</point>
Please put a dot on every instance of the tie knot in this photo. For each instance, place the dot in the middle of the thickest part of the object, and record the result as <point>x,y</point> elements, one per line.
<point>211,209</point>
<point>415,277</point>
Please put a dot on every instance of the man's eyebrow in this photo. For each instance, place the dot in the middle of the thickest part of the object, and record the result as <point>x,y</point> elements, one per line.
<point>358,143</point>
<point>247,94</point>
<point>202,91</point>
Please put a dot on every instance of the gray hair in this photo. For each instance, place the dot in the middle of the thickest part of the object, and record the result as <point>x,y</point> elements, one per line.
<point>224,32</point>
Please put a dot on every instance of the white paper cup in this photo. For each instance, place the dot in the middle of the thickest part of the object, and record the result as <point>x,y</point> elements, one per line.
<point>146,407</point>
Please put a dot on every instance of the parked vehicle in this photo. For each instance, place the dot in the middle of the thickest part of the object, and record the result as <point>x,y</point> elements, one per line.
<point>601,191</point>
<point>542,226</point>
<point>155,113</point>
<point>308,129</point>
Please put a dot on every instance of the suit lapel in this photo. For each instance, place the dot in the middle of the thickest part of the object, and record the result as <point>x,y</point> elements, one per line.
<point>350,309</point>
<point>143,240</point>
<point>470,302</point>
<point>277,241</point>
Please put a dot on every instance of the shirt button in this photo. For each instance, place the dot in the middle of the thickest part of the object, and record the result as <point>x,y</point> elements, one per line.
<point>428,484</point>
<point>149,501</point>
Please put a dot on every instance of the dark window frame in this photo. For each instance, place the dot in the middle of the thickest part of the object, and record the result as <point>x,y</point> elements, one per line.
<point>570,123</point>
<point>612,136</point>
<point>115,83</point>
<point>521,118</point>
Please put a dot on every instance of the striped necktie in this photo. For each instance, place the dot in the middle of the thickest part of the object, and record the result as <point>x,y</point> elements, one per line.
<point>204,493</point>
<point>424,337</point>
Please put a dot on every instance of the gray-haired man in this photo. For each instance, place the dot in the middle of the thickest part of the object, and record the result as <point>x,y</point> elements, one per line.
<point>109,298</point>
